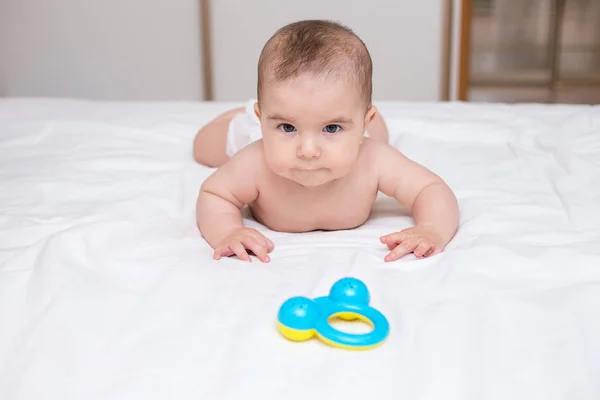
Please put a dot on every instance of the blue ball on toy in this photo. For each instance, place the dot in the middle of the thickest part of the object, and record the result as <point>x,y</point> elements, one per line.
<point>299,313</point>
<point>350,290</point>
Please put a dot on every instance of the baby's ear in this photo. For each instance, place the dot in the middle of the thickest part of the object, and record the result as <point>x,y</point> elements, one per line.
<point>371,111</point>
<point>257,110</point>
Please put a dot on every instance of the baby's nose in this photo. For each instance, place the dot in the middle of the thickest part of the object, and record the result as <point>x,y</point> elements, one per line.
<point>309,149</point>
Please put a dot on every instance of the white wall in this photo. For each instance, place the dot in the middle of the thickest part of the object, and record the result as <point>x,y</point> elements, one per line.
<point>150,49</point>
<point>106,49</point>
<point>404,38</point>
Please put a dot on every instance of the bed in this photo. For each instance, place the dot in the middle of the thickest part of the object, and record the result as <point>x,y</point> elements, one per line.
<point>107,290</point>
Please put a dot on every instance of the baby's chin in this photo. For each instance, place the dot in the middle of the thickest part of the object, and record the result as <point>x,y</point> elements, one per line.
<point>311,178</point>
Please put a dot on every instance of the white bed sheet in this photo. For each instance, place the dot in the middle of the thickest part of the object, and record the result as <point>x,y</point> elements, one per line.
<point>107,291</point>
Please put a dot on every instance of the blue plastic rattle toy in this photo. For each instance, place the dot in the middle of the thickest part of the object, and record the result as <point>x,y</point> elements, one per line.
<point>301,318</point>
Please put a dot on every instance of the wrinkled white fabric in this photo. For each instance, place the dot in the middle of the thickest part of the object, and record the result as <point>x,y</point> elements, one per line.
<point>107,290</point>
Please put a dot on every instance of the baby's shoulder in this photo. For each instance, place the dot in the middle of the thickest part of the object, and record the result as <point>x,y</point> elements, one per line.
<point>375,152</point>
<point>250,159</point>
<point>246,167</point>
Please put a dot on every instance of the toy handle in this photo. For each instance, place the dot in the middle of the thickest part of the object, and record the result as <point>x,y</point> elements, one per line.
<point>377,335</point>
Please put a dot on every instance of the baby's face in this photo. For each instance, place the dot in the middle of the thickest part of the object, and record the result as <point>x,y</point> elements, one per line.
<point>312,129</point>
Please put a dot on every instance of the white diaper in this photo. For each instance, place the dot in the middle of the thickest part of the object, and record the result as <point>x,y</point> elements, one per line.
<point>244,129</point>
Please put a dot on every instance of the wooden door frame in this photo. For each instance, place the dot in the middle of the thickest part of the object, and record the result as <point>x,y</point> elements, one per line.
<point>464,63</point>
<point>206,50</point>
<point>447,35</point>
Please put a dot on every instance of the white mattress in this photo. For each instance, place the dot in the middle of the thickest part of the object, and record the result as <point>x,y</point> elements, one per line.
<point>107,291</point>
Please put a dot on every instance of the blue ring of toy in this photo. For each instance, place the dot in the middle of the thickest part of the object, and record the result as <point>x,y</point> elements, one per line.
<point>329,308</point>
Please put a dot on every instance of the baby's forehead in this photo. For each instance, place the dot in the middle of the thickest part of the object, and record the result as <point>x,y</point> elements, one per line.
<point>339,69</point>
<point>310,112</point>
<point>340,84</point>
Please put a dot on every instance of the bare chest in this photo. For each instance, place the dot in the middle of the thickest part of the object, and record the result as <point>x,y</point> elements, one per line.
<point>284,209</point>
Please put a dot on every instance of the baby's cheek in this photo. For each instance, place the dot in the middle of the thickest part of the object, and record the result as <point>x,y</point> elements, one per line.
<point>278,159</point>
<point>346,155</point>
<point>280,165</point>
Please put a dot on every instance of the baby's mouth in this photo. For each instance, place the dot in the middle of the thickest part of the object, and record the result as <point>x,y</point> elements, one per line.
<point>309,169</point>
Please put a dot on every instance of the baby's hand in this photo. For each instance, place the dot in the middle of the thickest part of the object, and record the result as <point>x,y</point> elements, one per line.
<point>244,239</point>
<point>423,241</point>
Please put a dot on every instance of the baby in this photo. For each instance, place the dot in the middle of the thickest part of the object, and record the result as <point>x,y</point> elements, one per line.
<point>312,153</point>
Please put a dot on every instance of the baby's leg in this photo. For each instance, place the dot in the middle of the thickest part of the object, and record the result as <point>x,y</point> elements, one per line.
<point>210,143</point>
<point>377,128</point>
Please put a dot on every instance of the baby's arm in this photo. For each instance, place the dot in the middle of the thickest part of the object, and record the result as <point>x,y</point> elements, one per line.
<point>220,201</point>
<point>433,204</point>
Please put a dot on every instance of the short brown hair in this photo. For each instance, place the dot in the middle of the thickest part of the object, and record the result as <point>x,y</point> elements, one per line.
<point>319,47</point>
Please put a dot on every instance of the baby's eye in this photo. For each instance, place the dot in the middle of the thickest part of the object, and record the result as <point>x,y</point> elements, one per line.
<point>287,128</point>
<point>332,128</point>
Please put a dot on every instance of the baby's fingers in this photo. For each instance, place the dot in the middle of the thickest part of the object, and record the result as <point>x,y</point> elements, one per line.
<point>222,251</point>
<point>393,238</point>
<point>423,249</point>
<point>240,251</point>
<point>257,248</point>
<point>404,248</point>
<point>433,251</point>
<point>270,245</point>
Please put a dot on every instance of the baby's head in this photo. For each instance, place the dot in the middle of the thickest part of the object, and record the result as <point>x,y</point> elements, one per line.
<point>314,100</point>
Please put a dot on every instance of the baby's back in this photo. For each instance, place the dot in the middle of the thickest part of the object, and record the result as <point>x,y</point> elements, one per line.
<point>283,205</point>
